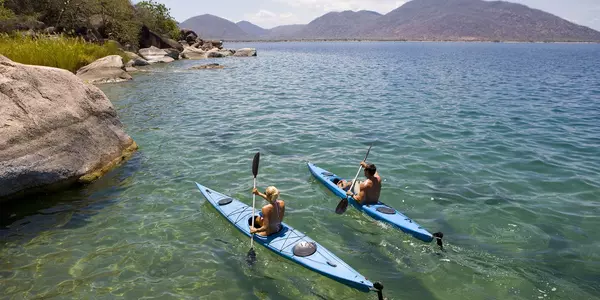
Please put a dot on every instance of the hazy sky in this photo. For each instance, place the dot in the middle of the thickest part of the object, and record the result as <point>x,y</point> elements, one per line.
<point>271,13</point>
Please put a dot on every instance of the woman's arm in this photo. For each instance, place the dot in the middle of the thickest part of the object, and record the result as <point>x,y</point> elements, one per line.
<point>265,223</point>
<point>256,192</point>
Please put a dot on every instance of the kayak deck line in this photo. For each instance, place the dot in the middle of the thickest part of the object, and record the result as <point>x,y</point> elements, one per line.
<point>289,243</point>
<point>380,211</point>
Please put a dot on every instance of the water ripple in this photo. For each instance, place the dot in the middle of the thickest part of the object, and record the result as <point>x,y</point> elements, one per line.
<point>496,145</point>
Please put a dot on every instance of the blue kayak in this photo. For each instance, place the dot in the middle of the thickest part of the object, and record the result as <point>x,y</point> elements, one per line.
<point>289,243</point>
<point>379,211</point>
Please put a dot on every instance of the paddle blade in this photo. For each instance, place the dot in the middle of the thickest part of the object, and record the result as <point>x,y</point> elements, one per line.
<point>255,164</point>
<point>251,257</point>
<point>342,206</point>
<point>368,153</point>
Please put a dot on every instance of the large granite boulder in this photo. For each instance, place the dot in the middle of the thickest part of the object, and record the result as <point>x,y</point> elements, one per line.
<point>216,44</point>
<point>149,39</point>
<point>154,55</point>
<point>245,52</point>
<point>193,53</point>
<point>188,35</point>
<point>109,69</point>
<point>215,53</point>
<point>55,130</point>
<point>136,60</point>
<point>173,53</point>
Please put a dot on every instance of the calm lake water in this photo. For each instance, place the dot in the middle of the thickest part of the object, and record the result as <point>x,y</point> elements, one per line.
<point>496,145</point>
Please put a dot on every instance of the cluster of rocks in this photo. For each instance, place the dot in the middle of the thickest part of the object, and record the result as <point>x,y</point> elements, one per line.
<point>57,130</point>
<point>158,49</point>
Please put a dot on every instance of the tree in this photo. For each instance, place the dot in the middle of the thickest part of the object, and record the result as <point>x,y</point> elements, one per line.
<point>118,20</point>
<point>5,13</point>
<point>158,18</point>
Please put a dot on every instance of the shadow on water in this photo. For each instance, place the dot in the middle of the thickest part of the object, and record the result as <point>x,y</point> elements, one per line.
<point>255,278</point>
<point>25,218</point>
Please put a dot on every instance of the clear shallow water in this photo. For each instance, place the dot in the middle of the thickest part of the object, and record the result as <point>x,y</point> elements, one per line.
<point>496,145</point>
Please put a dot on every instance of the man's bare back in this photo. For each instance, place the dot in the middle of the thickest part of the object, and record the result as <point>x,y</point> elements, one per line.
<point>368,191</point>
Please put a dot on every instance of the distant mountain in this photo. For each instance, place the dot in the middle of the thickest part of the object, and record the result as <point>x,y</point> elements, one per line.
<point>475,20</point>
<point>213,27</point>
<point>284,32</point>
<point>252,29</point>
<point>455,20</point>
<point>338,25</point>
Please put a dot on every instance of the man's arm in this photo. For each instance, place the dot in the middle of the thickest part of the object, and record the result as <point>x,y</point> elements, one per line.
<point>361,194</point>
<point>364,165</point>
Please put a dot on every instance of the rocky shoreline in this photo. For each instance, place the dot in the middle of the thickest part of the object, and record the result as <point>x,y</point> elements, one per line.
<point>58,130</point>
<point>157,50</point>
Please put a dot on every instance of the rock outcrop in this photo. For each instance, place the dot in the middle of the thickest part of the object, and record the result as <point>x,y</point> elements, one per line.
<point>189,36</point>
<point>150,39</point>
<point>154,55</point>
<point>173,53</point>
<point>109,69</point>
<point>136,60</point>
<point>193,53</point>
<point>245,52</point>
<point>217,53</point>
<point>55,130</point>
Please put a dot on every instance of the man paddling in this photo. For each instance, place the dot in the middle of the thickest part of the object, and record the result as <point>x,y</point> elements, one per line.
<point>364,192</point>
<point>269,220</point>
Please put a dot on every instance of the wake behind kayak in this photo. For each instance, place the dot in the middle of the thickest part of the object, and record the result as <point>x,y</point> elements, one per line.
<point>379,211</point>
<point>290,243</point>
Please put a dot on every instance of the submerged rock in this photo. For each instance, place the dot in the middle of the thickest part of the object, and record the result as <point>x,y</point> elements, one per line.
<point>55,130</point>
<point>105,70</point>
<point>209,66</point>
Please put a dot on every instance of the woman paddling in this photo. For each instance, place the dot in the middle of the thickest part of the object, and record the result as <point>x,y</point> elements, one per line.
<point>269,220</point>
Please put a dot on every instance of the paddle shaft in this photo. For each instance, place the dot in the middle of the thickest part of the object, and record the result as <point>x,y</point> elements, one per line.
<point>253,204</point>
<point>359,168</point>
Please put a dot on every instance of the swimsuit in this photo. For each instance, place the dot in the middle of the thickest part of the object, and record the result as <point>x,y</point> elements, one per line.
<point>277,225</point>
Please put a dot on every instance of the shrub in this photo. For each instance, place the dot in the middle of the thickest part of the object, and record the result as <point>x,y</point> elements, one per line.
<point>56,51</point>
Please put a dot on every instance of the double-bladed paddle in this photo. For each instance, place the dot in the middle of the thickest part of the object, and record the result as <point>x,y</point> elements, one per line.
<point>251,258</point>
<point>343,205</point>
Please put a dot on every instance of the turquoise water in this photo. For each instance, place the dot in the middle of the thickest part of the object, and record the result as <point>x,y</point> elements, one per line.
<point>496,145</point>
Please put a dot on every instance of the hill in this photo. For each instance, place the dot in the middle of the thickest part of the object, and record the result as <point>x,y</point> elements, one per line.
<point>427,20</point>
<point>252,29</point>
<point>475,20</point>
<point>338,25</point>
<point>212,27</point>
<point>283,32</point>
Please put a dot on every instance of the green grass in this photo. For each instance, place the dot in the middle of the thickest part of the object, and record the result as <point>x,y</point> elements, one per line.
<point>58,51</point>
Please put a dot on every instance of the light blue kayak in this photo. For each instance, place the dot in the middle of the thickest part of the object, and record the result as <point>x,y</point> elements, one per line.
<point>379,211</point>
<point>287,242</point>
